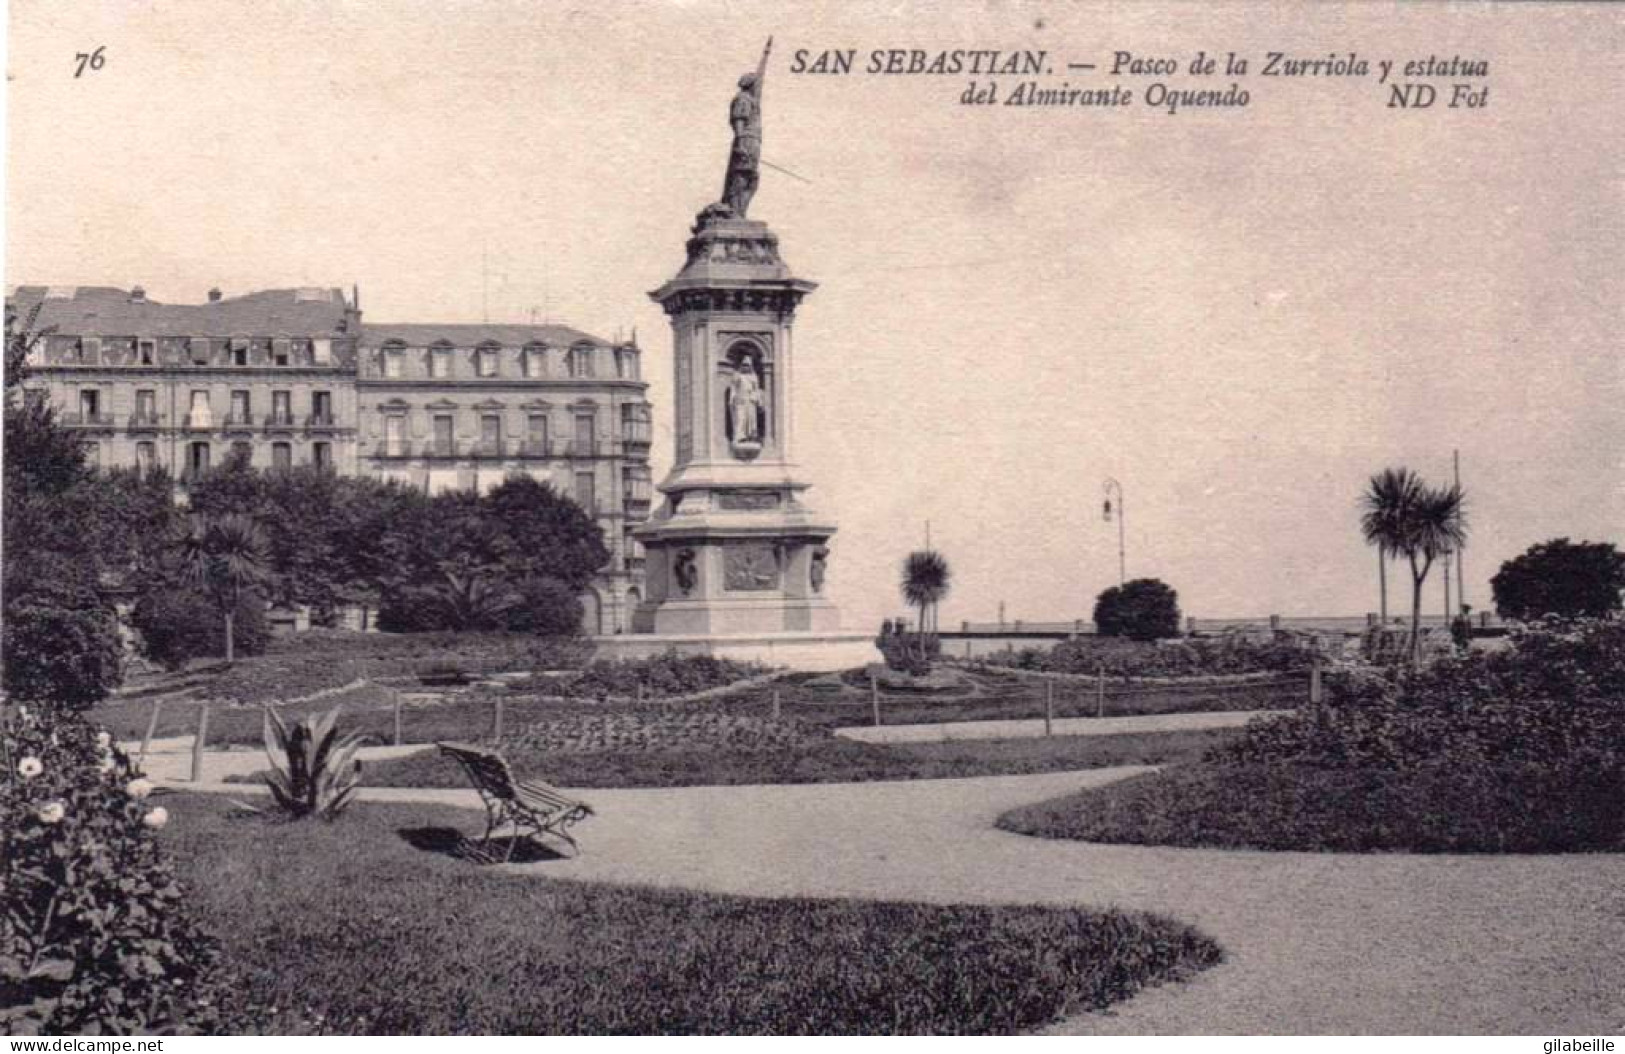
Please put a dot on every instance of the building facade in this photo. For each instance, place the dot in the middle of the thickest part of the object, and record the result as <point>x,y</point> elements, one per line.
<point>292,377</point>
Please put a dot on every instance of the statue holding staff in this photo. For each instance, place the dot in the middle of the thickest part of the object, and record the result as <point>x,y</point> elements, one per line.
<point>739,185</point>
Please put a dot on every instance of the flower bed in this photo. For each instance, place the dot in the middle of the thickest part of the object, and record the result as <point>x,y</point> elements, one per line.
<point>662,676</point>
<point>1122,658</point>
<point>650,732</point>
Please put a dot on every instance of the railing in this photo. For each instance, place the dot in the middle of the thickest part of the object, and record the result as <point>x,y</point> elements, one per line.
<point>278,419</point>
<point>635,432</point>
<point>581,448</point>
<point>438,449</point>
<point>199,423</point>
<point>88,420</point>
<point>321,420</point>
<point>145,419</point>
<point>535,449</point>
<point>242,420</point>
<point>486,449</point>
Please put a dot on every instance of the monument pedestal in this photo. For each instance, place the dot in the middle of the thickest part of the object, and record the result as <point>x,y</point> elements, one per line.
<point>735,553</point>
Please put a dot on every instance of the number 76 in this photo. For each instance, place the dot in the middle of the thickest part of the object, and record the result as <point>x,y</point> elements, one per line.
<point>94,59</point>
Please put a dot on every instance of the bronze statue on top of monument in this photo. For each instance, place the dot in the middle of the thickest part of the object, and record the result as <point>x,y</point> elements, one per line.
<point>745,115</point>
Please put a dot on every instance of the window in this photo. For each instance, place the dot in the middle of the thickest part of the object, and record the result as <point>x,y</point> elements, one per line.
<point>395,435</point>
<point>536,433</point>
<point>581,362</point>
<point>442,433</point>
<point>239,408</point>
<point>586,427</point>
<point>440,361</point>
<point>491,433</point>
<point>90,404</point>
<point>199,350</point>
<point>626,364</point>
<point>586,491</point>
<point>392,361</point>
<point>90,350</point>
<point>534,360</point>
<point>197,460</point>
<point>321,408</point>
<point>282,455</point>
<point>487,362</point>
<point>146,406</point>
<point>321,455</point>
<point>280,354</point>
<point>282,408</point>
<point>146,456</point>
<point>200,415</point>
<point>239,354</point>
<point>321,351</point>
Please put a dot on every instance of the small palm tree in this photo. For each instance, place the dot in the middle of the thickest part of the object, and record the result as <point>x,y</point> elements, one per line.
<point>925,583</point>
<point>1390,493</point>
<point>225,557</point>
<point>1406,517</point>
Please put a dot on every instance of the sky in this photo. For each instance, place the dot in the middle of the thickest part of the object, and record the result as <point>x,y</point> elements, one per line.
<point>1240,314</point>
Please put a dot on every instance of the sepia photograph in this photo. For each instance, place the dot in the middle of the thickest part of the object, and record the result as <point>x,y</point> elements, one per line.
<point>728,517</point>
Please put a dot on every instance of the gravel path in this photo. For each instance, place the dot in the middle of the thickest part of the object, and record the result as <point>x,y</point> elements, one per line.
<point>1316,943</point>
<point>940,732</point>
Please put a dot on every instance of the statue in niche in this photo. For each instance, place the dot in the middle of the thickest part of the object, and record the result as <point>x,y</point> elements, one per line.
<point>745,115</point>
<point>745,405</point>
<point>685,570</point>
<point>818,568</point>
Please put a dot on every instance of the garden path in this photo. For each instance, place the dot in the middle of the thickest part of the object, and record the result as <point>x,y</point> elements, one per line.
<point>1316,942</point>
<point>944,731</point>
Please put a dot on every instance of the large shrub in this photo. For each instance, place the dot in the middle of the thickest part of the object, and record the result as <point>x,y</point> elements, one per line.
<point>61,645</point>
<point>1118,657</point>
<point>546,607</point>
<point>178,625</point>
<point>1560,577</point>
<point>1141,609</point>
<point>93,936</point>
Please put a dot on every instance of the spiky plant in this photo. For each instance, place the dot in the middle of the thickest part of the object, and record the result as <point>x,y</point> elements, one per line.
<point>925,583</point>
<point>314,770</point>
<point>1406,517</point>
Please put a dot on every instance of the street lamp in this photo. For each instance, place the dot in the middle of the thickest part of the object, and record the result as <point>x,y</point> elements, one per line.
<point>1111,487</point>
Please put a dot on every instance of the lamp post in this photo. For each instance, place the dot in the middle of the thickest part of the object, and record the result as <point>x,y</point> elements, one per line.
<point>1113,487</point>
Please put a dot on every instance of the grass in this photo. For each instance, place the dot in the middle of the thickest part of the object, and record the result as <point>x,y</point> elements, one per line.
<point>822,760</point>
<point>1441,808</point>
<point>373,925</point>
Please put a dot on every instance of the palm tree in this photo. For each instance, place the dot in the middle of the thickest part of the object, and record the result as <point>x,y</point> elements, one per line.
<point>1405,516</point>
<point>1388,495</point>
<point>925,583</point>
<point>225,557</point>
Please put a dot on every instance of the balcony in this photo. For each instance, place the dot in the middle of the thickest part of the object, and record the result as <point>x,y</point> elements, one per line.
<point>279,419</point>
<point>321,422</point>
<point>239,420</point>
<point>635,433</point>
<point>535,449</point>
<point>88,420</point>
<point>145,420</point>
<point>488,450</point>
<point>199,422</point>
<point>442,449</point>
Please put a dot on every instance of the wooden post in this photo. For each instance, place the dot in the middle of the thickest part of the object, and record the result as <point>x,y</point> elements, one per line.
<point>1100,691</point>
<point>396,694</point>
<point>1314,682</point>
<point>874,697</point>
<point>152,729</point>
<point>496,721</point>
<point>775,702</point>
<point>1049,707</point>
<point>198,741</point>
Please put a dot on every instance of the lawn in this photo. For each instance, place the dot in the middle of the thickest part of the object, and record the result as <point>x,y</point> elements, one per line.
<point>1441,808</point>
<point>814,759</point>
<point>373,924</point>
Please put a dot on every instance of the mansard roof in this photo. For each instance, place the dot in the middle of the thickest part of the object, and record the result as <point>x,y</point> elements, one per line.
<point>107,311</point>
<point>473,334</point>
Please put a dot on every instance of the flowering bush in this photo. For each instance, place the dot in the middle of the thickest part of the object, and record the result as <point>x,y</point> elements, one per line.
<point>1555,698</point>
<point>662,675</point>
<point>92,938</point>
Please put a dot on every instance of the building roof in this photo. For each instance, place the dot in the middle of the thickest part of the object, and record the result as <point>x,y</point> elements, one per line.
<point>468,335</point>
<point>104,310</point>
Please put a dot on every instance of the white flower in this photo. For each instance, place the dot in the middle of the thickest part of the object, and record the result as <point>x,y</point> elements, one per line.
<point>29,767</point>
<point>156,818</point>
<point>138,788</point>
<point>104,740</point>
<point>105,764</point>
<point>52,812</point>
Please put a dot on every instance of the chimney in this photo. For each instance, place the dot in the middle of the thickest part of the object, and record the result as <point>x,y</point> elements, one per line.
<point>138,295</point>
<point>214,295</point>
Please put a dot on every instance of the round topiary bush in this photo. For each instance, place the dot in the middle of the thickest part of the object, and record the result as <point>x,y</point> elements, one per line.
<point>94,937</point>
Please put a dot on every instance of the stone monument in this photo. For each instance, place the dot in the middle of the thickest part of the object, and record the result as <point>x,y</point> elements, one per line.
<point>735,551</point>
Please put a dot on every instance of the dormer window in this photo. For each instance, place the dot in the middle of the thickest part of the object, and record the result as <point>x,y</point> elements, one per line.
<point>90,349</point>
<point>393,358</point>
<point>533,361</point>
<point>239,353</point>
<point>199,350</point>
<point>580,362</point>
<point>440,361</point>
<point>281,355</point>
<point>487,361</point>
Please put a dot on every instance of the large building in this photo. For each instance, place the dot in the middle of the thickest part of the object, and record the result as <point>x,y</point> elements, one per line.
<point>293,377</point>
